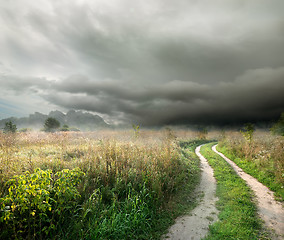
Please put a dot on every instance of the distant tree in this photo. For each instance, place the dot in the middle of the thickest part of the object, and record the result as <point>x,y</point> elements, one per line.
<point>136,129</point>
<point>65,128</point>
<point>25,130</point>
<point>51,124</point>
<point>202,132</point>
<point>278,127</point>
<point>248,131</point>
<point>10,127</point>
<point>74,129</point>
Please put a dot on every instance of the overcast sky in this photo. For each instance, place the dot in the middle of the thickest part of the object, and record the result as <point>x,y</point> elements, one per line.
<point>148,62</point>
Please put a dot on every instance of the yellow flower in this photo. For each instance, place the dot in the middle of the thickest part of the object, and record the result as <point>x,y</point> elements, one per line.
<point>13,207</point>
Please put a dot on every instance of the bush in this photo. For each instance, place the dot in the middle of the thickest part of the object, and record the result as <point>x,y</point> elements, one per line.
<point>36,203</point>
<point>65,128</point>
<point>278,128</point>
<point>248,131</point>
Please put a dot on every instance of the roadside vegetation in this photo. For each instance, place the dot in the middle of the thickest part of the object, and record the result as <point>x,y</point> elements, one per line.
<point>278,127</point>
<point>238,213</point>
<point>103,185</point>
<point>262,157</point>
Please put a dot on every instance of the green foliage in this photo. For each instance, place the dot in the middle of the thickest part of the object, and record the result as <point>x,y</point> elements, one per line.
<point>278,127</point>
<point>129,190</point>
<point>74,129</point>
<point>238,213</point>
<point>265,170</point>
<point>51,124</point>
<point>136,129</point>
<point>248,131</point>
<point>65,128</point>
<point>36,203</point>
<point>133,208</point>
<point>10,127</point>
<point>130,218</point>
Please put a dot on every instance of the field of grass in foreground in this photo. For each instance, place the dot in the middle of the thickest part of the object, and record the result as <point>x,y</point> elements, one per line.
<point>238,213</point>
<point>263,158</point>
<point>76,186</point>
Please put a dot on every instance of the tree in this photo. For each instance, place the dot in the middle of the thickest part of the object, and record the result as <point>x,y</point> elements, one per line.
<point>278,127</point>
<point>51,124</point>
<point>248,131</point>
<point>202,132</point>
<point>10,127</point>
<point>136,129</point>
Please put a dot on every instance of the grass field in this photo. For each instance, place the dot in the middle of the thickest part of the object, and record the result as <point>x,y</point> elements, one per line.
<point>103,185</point>
<point>127,184</point>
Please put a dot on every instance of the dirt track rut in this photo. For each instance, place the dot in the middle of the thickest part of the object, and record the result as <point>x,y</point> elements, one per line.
<point>195,225</point>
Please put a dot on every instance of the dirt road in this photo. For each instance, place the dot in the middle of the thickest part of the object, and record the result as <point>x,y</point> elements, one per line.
<point>195,225</point>
<point>271,211</point>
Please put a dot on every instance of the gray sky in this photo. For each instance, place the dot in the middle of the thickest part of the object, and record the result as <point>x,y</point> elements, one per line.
<point>150,62</point>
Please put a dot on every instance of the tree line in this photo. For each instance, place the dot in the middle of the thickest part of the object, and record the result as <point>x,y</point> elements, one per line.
<point>50,125</point>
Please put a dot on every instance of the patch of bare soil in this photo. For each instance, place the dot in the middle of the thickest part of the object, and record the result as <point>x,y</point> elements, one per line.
<point>195,226</point>
<point>270,210</point>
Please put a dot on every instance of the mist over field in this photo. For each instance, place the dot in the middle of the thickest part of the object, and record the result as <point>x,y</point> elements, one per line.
<point>152,62</point>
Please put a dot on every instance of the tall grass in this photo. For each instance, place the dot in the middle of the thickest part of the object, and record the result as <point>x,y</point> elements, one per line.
<point>263,157</point>
<point>127,181</point>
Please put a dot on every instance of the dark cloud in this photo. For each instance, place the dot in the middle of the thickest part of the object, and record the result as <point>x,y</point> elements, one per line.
<point>256,95</point>
<point>150,62</point>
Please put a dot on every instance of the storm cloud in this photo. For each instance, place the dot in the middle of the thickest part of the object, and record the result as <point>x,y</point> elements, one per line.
<point>146,62</point>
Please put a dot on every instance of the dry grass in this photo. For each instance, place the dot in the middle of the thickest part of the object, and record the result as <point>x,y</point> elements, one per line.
<point>264,155</point>
<point>106,155</point>
<point>121,169</point>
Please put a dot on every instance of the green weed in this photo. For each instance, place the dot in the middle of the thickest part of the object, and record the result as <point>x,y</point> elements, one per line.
<point>37,202</point>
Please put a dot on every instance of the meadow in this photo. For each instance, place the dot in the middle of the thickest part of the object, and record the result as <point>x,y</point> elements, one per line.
<point>122,184</point>
<point>96,185</point>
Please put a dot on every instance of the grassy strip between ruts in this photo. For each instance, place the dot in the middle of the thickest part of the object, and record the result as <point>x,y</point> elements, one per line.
<point>264,175</point>
<point>238,213</point>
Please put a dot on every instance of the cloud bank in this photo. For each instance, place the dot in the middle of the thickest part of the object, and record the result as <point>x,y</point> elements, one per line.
<point>146,62</point>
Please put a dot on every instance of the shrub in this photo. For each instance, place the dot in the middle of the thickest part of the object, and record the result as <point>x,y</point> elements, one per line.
<point>65,128</point>
<point>278,127</point>
<point>35,203</point>
<point>248,131</point>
